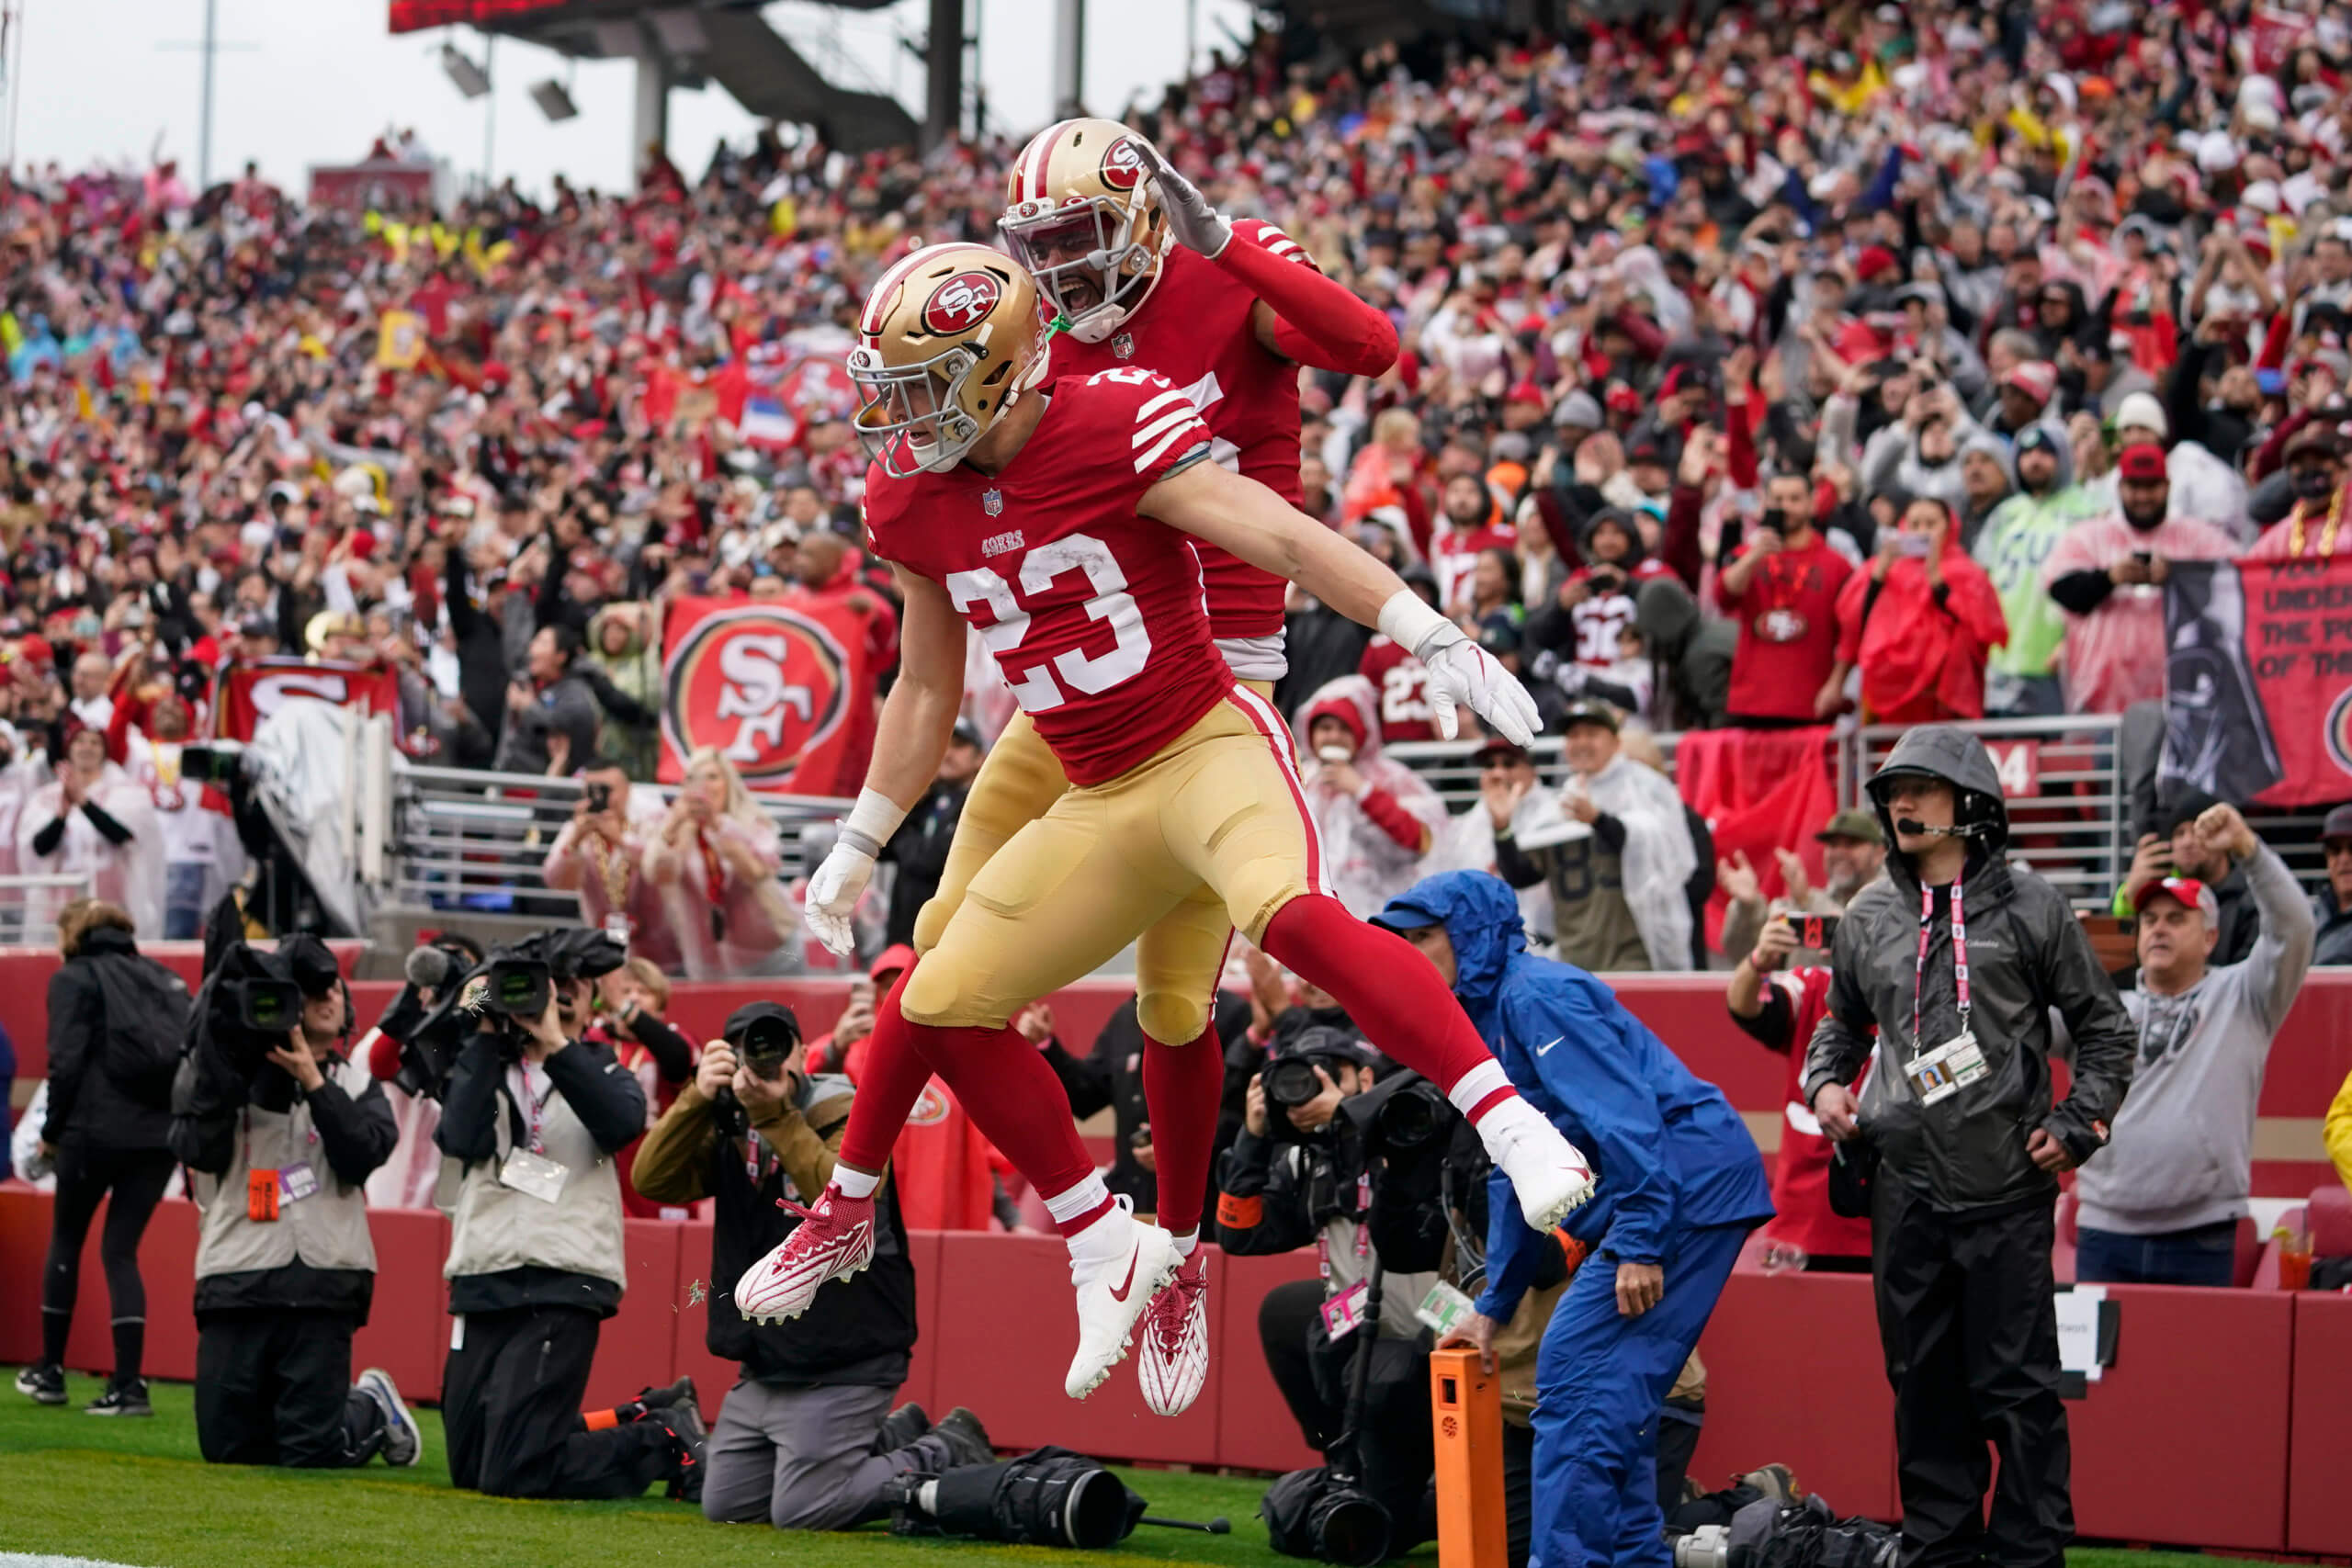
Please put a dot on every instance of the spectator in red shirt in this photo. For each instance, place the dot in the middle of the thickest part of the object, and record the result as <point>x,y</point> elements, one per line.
<point>1919,623</point>
<point>1401,679</point>
<point>1782,589</point>
<point>1780,1009</point>
<point>1468,525</point>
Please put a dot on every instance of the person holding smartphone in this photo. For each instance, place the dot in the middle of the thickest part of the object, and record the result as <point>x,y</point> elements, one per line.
<point>1920,623</point>
<point>600,855</point>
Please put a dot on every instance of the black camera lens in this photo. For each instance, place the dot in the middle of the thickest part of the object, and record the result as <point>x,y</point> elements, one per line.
<point>1291,1082</point>
<point>1774,519</point>
<point>1411,1117</point>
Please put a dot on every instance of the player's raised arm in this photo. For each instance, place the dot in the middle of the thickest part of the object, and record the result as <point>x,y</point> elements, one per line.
<point>918,717</point>
<point>1241,515</point>
<point>1301,315</point>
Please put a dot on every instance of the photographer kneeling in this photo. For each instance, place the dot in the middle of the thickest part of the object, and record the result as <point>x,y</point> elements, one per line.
<point>535,1116</point>
<point>807,1439</point>
<point>1299,1172</point>
<point>282,1130</point>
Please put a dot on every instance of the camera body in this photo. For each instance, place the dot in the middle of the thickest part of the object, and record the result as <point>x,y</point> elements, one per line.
<point>768,1043</point>
<point>511,984</point>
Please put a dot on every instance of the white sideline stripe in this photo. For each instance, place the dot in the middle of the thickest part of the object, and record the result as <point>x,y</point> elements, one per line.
<point>34,1559</point>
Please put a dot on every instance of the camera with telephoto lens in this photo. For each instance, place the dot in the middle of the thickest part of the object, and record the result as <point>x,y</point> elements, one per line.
<point>1290,1079</point>
<point>250,1001</point>
<point>768,1043</point>
<point>512,985</point>
<point>1291,1082</point>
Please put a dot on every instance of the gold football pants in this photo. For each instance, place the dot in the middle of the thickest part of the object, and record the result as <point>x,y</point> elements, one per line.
<point>1045,883</point>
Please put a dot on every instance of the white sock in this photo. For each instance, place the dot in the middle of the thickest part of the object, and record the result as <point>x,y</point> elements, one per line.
<point>1189,1240</point>
<point>855,1183</point>
<point>1477,1085</point>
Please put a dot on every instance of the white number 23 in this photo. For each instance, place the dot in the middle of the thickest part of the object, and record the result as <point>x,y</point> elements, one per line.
<point>1036,690</point>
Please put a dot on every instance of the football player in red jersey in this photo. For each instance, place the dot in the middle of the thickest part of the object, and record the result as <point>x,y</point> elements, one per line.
<point>1131,260</point>
<point>1060,524</point>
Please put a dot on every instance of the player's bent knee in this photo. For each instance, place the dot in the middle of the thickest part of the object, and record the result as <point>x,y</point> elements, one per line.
<point>1170,1018</point>
<point>1251,900</point>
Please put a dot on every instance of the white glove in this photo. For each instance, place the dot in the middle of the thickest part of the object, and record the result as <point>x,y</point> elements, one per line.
<point>834,892</point>
<point>1190,218</point>
<point>1462,672</point>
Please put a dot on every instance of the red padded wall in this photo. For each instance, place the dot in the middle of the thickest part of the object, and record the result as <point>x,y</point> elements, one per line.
<point>2320,1435</point>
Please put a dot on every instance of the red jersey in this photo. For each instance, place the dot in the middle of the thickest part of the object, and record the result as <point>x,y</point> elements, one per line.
<point>1093,613</point>
<point>1403,683</point>
<point>1195,329</point>
<point>1802,1214</point>
<point>1788,631</point>
<point>1600,619</point>
<point>1454,556</point>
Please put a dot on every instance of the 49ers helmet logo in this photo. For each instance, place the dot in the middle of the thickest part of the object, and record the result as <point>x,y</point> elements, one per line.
<point>1122,164</point>
<point>961,303</point>
<point>762,684</point>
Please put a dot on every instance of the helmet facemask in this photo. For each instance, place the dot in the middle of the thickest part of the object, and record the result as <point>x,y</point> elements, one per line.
<point>1096,259</point>
<point>912,417</point>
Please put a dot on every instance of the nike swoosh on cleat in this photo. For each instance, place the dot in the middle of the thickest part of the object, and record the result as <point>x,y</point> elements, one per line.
<point>1128,1283</point>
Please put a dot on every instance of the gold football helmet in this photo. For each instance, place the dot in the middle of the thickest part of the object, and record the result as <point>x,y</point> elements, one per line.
<point>949,338</point>
<point>1085,219</point>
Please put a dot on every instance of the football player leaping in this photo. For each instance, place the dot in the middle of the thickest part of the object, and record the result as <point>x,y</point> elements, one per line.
<point>1131,259</point>
<point>1059,522</point>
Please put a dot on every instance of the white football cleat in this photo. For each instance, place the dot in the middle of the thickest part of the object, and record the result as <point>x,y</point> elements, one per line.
<point>1174,1365</point>
<point>1110,1303</point>
<point>1550,1176</point>
<point>833,1240</point>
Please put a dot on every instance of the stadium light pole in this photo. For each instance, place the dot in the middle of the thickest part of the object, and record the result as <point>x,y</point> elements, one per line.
<point>1069,57</point>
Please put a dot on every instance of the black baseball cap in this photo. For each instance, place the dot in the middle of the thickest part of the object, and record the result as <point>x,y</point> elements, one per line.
<point>740,1021</point>
<point>1502,745</point>
<point>1588,712</point>
<point>1324,1043</point>
<point>2337,825</point>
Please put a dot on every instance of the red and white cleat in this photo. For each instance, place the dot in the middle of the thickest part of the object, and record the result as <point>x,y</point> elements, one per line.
<point>833,1240</point>
<point>1112,1299</point>
<point>1174,1364</point>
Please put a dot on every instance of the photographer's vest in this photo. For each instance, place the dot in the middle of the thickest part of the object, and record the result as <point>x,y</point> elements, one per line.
<point>496,1227</point>
<point>326,1230</point>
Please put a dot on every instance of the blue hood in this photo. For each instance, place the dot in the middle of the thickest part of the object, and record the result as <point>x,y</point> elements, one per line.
<point>1480,915</point>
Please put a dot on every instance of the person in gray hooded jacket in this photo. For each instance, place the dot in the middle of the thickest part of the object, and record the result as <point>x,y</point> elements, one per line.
<point>1956,961</point>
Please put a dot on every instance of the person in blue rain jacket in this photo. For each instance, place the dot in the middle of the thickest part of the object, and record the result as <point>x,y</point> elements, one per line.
<point>1680,1185</point>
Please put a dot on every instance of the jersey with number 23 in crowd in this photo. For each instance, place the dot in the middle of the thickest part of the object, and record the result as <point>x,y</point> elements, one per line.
<point>1093,613</point>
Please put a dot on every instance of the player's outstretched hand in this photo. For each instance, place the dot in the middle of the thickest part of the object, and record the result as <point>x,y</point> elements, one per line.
<point>1194,222</point>
<point>834,892</point>
<point>1461,671</point>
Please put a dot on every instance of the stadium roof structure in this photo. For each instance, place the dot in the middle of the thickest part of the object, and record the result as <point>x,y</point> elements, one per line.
<point>689,42</point>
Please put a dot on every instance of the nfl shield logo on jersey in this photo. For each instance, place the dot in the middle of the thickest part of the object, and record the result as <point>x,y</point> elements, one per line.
<point>992,502</point>
<point>1124,345</point>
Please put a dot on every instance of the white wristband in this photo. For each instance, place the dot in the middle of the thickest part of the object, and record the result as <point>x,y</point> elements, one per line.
<point>1411,624</point>
<point>871,821</point>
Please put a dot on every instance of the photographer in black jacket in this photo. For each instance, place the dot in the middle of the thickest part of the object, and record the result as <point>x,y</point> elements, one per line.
<point>114,1017</point>
<point>807,1439</point>
<point>1298,1175</point>
<point>1956,960</point>
<point>282,1133</point>
<point>535,1116</point>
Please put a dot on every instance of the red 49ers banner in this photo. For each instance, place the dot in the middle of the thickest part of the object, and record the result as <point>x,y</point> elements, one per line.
<point>775,687</point>
<point>2258,679</point>
<point>252,690</point>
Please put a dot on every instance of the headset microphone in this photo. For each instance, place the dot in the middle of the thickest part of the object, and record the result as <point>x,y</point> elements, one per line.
<point>1917,829</point>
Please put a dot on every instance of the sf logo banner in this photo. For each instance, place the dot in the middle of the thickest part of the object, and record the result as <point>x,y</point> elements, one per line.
<point>769,687</point>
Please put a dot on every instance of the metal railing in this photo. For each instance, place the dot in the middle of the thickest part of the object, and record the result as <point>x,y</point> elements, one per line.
<point>25,922</point>
<point>465,839</point>
<point>475,841</point>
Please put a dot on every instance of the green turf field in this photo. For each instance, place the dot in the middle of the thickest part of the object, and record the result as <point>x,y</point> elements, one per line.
<point>134,1492</point>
